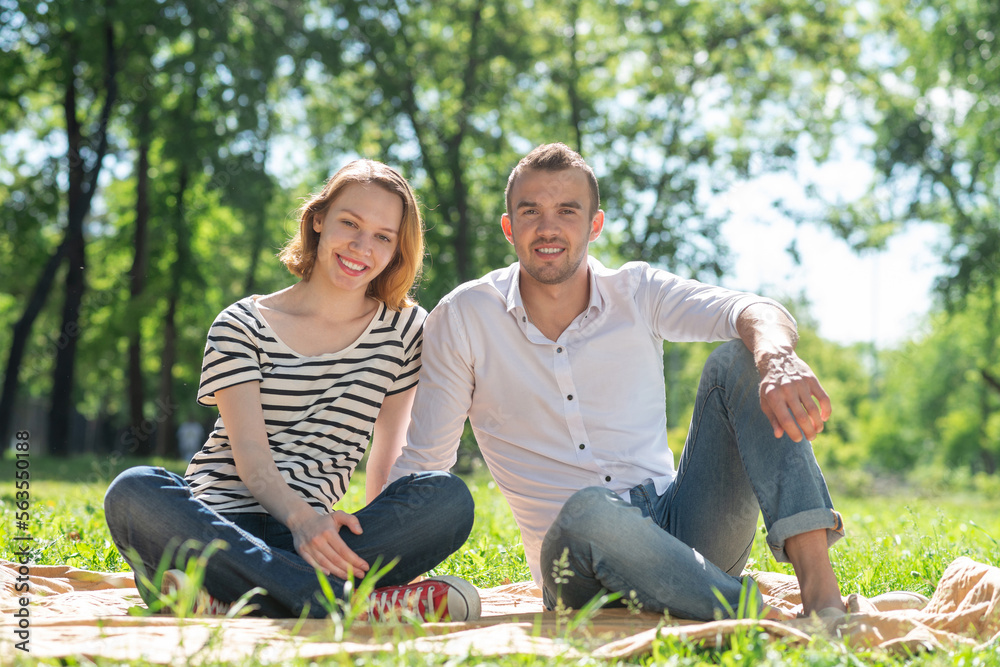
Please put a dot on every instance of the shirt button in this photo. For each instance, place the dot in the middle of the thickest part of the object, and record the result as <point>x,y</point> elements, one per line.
<point>558,349</point>
<point>583,446</point>
<point>570,397</point>
<point>524,319</point>
<point>607,478</point>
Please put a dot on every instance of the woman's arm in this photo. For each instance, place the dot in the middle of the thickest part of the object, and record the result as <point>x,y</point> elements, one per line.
<point>317,536</point>
<point>388,439</point>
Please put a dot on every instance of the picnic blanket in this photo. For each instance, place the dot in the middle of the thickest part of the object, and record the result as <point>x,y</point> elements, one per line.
<point>82,614</point>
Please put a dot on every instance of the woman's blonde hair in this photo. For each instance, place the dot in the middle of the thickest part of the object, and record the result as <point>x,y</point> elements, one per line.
<point>392,286</point>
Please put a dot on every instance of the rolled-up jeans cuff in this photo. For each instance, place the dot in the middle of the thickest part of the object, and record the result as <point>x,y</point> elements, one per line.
<point>804,522</point>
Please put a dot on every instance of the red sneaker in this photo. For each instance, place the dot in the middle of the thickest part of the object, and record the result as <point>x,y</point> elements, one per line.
<point>445,598</point>
<point>204,604</point>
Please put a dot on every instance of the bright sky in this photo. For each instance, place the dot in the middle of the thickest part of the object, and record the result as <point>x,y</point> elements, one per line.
<point>877,297</point>
<point>881,297</point>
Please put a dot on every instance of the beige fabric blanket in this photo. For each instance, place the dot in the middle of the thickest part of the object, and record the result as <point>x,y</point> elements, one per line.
<point>81,614</point>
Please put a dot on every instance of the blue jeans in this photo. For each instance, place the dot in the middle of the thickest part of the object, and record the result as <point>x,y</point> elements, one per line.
<point>420,519</point>
<point>674,550</point>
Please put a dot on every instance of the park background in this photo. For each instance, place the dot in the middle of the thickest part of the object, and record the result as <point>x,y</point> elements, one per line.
<point>153,153</point>
<point>839,156</point>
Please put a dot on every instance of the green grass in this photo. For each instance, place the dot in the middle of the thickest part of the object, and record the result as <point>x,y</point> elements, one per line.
<point>900,541</point>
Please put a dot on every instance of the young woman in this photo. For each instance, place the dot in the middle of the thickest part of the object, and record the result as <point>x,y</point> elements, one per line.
<point>302,379</point>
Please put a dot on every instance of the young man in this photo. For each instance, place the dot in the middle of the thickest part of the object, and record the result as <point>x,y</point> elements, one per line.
<point>558,363</point>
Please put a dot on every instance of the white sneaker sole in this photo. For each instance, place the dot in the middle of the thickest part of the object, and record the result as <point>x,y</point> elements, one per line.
<point>463,598</point>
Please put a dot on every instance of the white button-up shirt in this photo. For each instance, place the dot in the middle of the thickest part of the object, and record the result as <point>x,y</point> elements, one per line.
<point>553,417</point>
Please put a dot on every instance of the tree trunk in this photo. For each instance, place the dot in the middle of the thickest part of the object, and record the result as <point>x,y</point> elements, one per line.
<point>82,185</point>
<point>257,238</point>
<point>21,334</point>
<point>166,442</point>
<point>166,409</point>
<point>137,275</point>
<point>986,448</point>
<point>62,409</point>
<point>460,192</point>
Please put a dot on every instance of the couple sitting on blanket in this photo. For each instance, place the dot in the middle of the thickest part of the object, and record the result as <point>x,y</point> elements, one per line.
<point>557,362</point>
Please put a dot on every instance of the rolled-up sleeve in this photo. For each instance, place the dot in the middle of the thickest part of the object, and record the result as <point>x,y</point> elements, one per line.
<point>682,310</point>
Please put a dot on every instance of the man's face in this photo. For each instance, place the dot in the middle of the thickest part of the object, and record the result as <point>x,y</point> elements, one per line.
<point>551,224</point>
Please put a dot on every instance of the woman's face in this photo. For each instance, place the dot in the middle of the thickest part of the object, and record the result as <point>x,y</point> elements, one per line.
<point>359,235</point>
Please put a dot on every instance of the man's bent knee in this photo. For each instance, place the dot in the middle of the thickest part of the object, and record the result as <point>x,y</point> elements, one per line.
<point>733,353</point>
<point>731,360</point>
<point>592,504</point>
<point>591,516</point>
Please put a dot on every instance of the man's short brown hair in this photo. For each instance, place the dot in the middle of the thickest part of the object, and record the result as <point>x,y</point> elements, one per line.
<point>554,157</point>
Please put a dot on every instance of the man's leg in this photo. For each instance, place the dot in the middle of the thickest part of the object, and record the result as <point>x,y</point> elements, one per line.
<point>809,555</point>
<point>732,465</point>
<point>420,519</point>
<point>700,530</point>
<point>600,543</point>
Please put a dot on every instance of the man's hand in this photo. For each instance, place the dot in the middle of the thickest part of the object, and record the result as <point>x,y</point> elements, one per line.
<point>318,541</point>
<point>789,393</point>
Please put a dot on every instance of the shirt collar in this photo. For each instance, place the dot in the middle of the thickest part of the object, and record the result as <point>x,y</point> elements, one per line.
<point>513,288</point>
<point>597,300</point>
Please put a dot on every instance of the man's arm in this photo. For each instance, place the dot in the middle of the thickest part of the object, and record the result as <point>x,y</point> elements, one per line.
<point>388,438</point>
<point>443,398</point>
<point>790,395</point>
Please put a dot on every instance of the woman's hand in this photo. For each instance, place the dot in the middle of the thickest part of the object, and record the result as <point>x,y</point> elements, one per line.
<point>317,536</point>
<point>318,541</point>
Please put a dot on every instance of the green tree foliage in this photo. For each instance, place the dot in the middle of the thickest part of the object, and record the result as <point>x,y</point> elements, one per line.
<point>669,101</point>
<point>77,51</point>
<point>929,409</point>
<point>709,93</point>
<point>931,76</point>
<point>190,83</point>
<point>227,113</point>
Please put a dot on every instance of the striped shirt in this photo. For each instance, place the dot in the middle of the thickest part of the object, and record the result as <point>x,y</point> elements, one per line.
<point>318,411</point>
